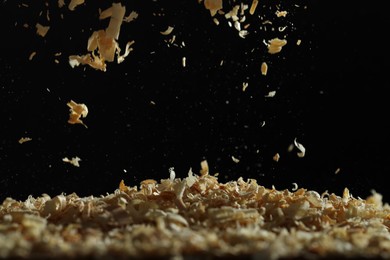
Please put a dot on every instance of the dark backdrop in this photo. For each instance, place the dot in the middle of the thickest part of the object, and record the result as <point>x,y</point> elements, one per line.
<point>149,113</point>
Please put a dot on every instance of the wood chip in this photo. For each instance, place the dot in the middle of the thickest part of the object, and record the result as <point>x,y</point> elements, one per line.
<point>275,45</point>
<point>253,6</point>
<point>276,157</point>
<point>264,68</point>
<point>41,29</point>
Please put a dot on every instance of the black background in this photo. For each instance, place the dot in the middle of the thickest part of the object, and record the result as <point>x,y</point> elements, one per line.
<point>330,95</point>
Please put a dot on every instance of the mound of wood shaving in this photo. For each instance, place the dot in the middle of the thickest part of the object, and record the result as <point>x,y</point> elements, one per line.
<point>196,216</point>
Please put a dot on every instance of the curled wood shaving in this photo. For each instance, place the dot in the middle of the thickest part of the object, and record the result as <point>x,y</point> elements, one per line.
<point>128,49</point>
<point>235,160</point>
<point>167,31</point>
<point>131,17</point>
<point>32,55</point>
<point>102,44</point>
<point>76,112</point>
<point>301,148</point>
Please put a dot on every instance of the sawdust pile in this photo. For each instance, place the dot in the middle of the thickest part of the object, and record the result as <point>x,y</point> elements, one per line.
<point>196,216</point>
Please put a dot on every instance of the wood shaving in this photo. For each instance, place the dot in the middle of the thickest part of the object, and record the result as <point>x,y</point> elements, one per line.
<point>233,13</point>
<point>271,94</point>
<point>235,160</point>
<point>172,219</point>
<point>122,186</point>
<point>131,17</point>
<point>61,3</point>
<point>184,62</point>
<point>204,167</point>
<point>275,45</point>
<point>253,6</point>
<point>74,3</point>
<point>172,173</point>
<point>32,55</point>
<point>243,33</point>
<point>301,148</point>
<point>102,44</point>
<point>264,68</point>
<point>244,85</point>
<point>167,31</point>
<point>128,49</point>
<point>41,29</point>
<point>237,25</point>
<point>87,59</point>
<point>74,161</point>
<point>76,112</point>
<point>116,19</point>
<point>276,157</point>
<point>22,140</point>
<point>282,28</point>
<point>213,6</point>
<point>290,148</point>
<point>281,13</point>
